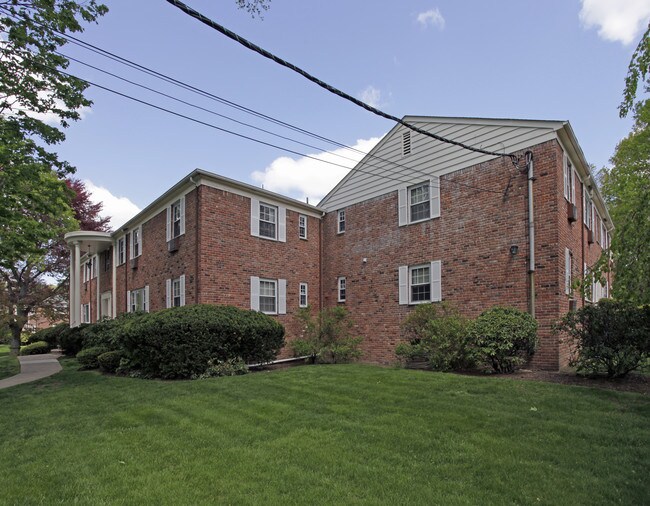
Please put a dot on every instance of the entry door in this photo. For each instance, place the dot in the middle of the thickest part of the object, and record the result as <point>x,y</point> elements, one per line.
<point>107,305</point>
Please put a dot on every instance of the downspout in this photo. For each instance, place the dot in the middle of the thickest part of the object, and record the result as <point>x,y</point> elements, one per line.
<point>531,235</point>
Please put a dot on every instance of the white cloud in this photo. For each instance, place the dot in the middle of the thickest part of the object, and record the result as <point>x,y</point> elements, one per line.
<point>617,20</point>
<point>120,209</point>
<point>432,17</point>
<point>371,96</point>
<point>307,178</point>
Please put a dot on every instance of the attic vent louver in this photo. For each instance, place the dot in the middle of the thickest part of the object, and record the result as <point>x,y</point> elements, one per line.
<point>406,143</point>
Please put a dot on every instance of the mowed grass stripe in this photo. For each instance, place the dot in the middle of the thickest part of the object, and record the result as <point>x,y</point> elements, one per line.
<point>320,434</point>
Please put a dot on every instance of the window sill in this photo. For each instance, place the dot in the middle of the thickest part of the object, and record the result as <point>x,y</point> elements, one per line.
<point>422,220</point>
<point>267,238</point>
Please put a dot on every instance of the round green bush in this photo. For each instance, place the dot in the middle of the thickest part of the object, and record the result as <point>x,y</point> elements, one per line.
<point>180,342</point>
<point>71,339</point>
<point>37,348</point>
<point>87,357</point>
<point>110,361</point>
<point>50,335</point>
<point>504,337</point>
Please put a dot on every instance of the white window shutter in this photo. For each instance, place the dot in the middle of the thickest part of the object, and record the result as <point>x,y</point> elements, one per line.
<point>146,298</point>
<point>182,283</point>
<point>255,217</point>
<point>436,281</point>
<point>140,238</point>
<point>282,224</point>
<point>282,296</point>
<point>403,285</point>
<point>434,192</point>
<point>169,223</point>
<point>128,301</point>
<point>130,236</point>
<point>402,204</point>
<point>168,291</point>
<point>573,186</point>
<point>567,271</point>
<point>565,173</point>
<point>182,214</point>
<point>255,293</point>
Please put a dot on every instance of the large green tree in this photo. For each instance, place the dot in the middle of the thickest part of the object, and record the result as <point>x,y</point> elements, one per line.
<point>638,74</point>
<point>626,188</point>
<point>36,103</point>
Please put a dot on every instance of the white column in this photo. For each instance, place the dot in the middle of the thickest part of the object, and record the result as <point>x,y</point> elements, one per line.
<point>77,287</point>
<point>73,282</point>
<point>113,289</point>
<point>99,296</point>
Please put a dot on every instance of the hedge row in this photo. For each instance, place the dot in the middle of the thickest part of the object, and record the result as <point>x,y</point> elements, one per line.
<point>175,343</point>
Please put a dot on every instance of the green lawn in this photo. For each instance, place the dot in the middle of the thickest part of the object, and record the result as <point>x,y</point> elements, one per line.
<point>321,435</point>
<point>9,365</point>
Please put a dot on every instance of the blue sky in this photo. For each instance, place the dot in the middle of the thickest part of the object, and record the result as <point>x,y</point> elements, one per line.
<point>556,59</point>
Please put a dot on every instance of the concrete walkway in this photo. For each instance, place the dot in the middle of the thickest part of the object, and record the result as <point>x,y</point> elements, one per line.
<point>32,368</point>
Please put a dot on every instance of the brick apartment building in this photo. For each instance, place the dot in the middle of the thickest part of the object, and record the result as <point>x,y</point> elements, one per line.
<point>416,221</point>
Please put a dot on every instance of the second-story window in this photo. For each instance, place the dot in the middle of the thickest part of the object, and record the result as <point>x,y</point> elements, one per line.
<point>419,202</point>
<point>121,250</point>
<point>268,221</point>
<point>176,218</point>
<point>136,242</point>
<point>302,226</point>
<point>342,289</point>
<point>340,221</point>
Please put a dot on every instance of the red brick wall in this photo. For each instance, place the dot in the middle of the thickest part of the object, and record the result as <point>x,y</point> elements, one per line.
<point>472,238</point>
<point>230,255</point>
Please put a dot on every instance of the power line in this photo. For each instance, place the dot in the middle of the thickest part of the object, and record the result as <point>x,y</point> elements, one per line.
<point>204,93</point>
<point>267,131</point>
<point>267,54</point>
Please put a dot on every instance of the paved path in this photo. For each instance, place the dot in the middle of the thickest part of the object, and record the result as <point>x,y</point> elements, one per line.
<point>32,368</point>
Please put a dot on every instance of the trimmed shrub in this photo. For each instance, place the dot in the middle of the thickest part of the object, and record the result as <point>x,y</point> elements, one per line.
<point>610,337</point>
<point>107,333</point>
<point>50,335</point>
<point>327,336</point>
<point>37,348</point>
<point>110,361</point>
<point>440,335</point>
<point>230,367</point>
<point>71,339</point>
<point>180,342</point>
<point>504,337</point>
<point>87,357</point>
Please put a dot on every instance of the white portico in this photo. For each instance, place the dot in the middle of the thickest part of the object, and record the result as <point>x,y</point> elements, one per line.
<point>84,244</point>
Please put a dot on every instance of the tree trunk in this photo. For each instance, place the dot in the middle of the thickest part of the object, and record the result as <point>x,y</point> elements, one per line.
<point>14,348</point>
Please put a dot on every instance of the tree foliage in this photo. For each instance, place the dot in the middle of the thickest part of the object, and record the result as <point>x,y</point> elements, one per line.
<point>626,189</point>
<point>638,73</point>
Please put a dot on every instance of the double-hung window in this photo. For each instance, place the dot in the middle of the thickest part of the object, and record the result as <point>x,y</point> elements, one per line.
<point>136,242</point>
<point>569,180</point>
<point>419,202</point>
<point>85,313</point>
<point>269,295</point>
<point>340,217</point>
<point>175,289</point>
<point>107,260</point>
<point>138,300</point>
<point>176,219</point>
<point>121,250</point>
<point>587,208</point>
<point>268,221</point>
<point>568,268</point>
<point>342,289</point>
<point>302,226</point>
<point>420,283</point>
<point>302,302</point>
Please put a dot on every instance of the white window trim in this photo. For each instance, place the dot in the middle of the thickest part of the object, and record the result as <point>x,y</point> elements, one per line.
<point>132,244</point>
<point>404,202</point>
<point>569,180</point>
<point>302,218</point>
<point>568,274</point>
<point>122,241</point>
<point>280,295</point>
<point>345,289</point>
<point>170,218</point>
<point>145,299</point>
<point>280,217</point>
<point>169,289</point>
<point>340,213</point>
<point>300,288</point>
<point>85,313</point>
<point>435,278</point>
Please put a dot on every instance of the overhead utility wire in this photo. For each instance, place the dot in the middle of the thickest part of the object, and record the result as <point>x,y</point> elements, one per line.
<point>253,47</point>
<point>158,75</point>
<point>241,122</point>
<point>181,84</point>
<point>210,125</point>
